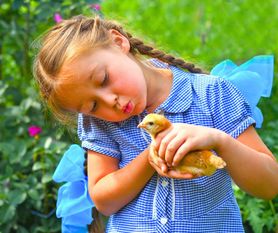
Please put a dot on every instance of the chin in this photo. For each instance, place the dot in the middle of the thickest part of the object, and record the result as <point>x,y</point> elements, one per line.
<point>139,109</point>
<point>119,118</point>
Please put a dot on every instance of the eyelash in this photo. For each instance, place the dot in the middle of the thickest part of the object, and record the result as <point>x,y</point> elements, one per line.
<point>94,107</point>
<point>103,83</point>
<point>105,80</point>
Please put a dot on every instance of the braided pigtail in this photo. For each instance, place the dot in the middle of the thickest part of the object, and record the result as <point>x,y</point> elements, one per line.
<point>138,46</point>
<point>144,49</point>
<point>97,226</point>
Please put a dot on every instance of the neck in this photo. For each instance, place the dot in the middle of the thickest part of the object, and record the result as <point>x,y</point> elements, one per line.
<point>159,84</point>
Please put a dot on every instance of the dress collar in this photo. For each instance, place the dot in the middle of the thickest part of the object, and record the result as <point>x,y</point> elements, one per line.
<point>180,97</point>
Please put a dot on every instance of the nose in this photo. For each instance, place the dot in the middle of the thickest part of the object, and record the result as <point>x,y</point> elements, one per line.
<point>109,99</point>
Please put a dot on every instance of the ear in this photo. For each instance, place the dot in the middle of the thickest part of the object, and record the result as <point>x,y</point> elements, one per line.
<point>120,40</point>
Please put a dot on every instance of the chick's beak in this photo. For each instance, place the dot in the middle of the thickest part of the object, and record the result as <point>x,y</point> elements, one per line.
<point>141,125</point>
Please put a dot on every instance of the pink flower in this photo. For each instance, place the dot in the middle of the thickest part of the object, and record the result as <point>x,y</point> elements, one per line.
<point>34,130</point>
<point>95,7</point>
<point>57,18</point>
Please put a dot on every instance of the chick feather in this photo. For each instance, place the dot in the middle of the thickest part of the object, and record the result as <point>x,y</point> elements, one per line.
<point>198,163</point>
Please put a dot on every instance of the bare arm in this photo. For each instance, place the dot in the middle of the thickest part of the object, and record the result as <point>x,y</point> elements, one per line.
<point>250,163</point>
<point>112,188</point>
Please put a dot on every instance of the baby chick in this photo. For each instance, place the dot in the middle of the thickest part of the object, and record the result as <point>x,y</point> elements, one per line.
<point>198,163</point>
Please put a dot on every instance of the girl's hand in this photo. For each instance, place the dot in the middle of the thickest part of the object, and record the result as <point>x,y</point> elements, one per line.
<point>174,143</point>
<point>161,167</point>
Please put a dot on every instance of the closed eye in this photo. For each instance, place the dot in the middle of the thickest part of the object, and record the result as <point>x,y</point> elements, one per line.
<point>94,107</point>
<point>103,83</point>
<point>105,79</point>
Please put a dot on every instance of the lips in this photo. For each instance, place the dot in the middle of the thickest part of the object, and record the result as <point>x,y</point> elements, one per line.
<point>127,109</point>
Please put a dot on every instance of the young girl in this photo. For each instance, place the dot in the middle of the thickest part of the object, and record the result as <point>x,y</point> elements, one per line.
<point>92,67</point>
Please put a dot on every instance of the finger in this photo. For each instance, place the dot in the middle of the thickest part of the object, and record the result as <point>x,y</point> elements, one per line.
<point>161,170</point>
<point>164,168</point>
<point>164,144</point>
<point>159,138</point>
<point>162,165</point>
<point>159,163</point>
<point>173,148</point>
<point>177,175</point>
<point>184,149</point>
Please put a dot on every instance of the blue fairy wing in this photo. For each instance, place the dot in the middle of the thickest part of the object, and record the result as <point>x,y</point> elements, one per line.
<point>70,167</point>
<point>74,204</point>
<point>253,78</point>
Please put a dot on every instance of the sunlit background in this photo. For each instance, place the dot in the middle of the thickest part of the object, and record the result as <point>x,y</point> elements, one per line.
<point>31,142</point>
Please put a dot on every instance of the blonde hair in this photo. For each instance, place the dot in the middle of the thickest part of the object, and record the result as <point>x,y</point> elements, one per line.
<point>70,39</point>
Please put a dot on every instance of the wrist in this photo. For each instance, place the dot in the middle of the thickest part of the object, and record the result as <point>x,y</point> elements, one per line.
<point>221,140</point>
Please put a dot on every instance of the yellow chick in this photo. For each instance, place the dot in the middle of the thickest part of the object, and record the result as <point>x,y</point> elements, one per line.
<point>198,163</point>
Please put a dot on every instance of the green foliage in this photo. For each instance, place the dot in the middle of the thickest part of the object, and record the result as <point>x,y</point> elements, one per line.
<point>207,32</point>
<point>258,215</point>
<point>202,30</point>
<point>28,194</point>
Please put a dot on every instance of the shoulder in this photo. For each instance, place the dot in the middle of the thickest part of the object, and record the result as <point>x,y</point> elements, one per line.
<point>197,81</point>
<point>206,81</point>
<point>203,85</point>
<point>212,86</point>
<point>215,93</point>
<point>88,123</point>
<point>91,126</point>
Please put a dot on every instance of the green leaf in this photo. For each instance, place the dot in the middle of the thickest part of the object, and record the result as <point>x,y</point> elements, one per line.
<point>7,212</point>
<point>20,148</point>
<point>22,229</point>
<point>48,142</point>
<point>6,148</point>
<point>37,166</point>
<point>17,197</point>
<point>34,194</point>
<point>47,178</point>
<point>1,202</point>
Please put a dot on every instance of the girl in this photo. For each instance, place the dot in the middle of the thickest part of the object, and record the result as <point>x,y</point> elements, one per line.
<point>92,67</point>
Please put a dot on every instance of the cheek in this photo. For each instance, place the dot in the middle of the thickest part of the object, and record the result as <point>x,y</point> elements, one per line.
<point>135,85</point>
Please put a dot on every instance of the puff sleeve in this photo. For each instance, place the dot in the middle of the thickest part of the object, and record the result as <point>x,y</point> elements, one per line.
<point>230,111</point>
<point>95,135</point>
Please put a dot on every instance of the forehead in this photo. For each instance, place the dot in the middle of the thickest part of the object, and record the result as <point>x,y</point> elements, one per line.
<point>79,66</point>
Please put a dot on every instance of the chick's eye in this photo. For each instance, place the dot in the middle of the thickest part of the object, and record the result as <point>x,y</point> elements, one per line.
<point>151,123</point>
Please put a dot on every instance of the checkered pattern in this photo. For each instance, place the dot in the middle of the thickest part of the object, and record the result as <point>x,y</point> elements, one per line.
<point>205,204</point>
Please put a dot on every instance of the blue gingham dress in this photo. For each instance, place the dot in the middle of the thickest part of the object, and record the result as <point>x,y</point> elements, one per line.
<point>204,204</point>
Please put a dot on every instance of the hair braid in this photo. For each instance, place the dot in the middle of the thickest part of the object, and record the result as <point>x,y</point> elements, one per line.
<point>144,49</point>
<point>137,45</point>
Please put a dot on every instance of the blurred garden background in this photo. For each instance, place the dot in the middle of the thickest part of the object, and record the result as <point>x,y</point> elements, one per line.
<point>31,142</point>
